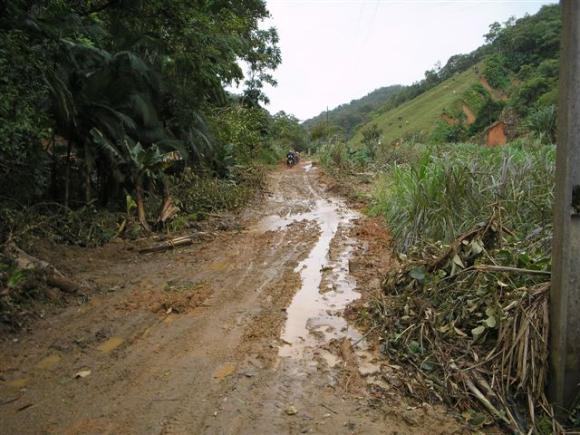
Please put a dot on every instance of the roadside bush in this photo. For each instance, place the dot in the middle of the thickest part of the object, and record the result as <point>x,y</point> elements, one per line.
<point>334,157</point>
<point>85,226</point>
<point>272,154</point>
<point>445,133</point>
<point>198,195</point>
<point>530,92</point>
<point>451,188</point>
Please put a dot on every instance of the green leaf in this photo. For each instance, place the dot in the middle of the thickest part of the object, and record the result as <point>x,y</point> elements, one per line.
<point>130,204</point>
<point>415,347</point>
<point>457,261</point>
<point>475,247</point>
<point>490,322</point>
<point>417,273</point>
<point>476,332</point>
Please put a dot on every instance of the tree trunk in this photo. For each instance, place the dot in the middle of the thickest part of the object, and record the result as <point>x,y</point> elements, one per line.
<point>140,203</point>
<point>67,174</point>
<point>53,175</point>
<point>87,175</point>
<point>168,210</point>
<point>52,275</point>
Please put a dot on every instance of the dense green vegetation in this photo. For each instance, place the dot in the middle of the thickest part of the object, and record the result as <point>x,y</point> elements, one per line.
<point>527,51</point>
<point>473,229</point>
<point>105,98</point>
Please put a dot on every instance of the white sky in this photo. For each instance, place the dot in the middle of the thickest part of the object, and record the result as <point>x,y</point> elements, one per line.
<point>334,51</point>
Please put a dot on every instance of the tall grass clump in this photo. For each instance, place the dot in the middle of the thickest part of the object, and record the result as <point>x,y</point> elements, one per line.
<point>449,189</point>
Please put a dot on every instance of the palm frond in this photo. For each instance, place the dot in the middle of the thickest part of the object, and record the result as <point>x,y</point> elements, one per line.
<point>106,145</point>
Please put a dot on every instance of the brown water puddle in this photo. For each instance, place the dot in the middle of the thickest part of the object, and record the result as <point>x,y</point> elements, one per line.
<point>314,317</point>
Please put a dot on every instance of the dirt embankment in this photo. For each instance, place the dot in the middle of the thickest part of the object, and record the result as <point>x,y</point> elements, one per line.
<point>246,333</point>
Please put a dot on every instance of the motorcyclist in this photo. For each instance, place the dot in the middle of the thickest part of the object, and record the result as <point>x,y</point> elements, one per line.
<point>291,158</point>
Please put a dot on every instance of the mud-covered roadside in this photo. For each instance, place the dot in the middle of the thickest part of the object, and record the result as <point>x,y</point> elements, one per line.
<point>244,333</point>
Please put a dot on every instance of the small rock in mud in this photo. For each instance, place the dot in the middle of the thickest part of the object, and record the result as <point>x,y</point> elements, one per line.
<point>410,418</point>
<point>156,307</point>
<point>224,371</point>
<point>82,374</point>
<point>291,410</point>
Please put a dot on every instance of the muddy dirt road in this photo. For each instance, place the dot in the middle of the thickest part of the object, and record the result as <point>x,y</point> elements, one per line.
<point>241,334</point>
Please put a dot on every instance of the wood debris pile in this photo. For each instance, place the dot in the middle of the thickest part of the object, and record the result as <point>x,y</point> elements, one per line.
<point>472,320</point>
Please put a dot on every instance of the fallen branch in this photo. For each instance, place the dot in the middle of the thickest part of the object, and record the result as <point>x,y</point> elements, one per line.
<point>485,402</point>
<point>369,332</point>
<point>53,276</point>
<point>452,249</point>
<point>63,283</point>
<point>501,368</point>
<point>493,268</point>
<point>173,243</point>
<point>329,408</point>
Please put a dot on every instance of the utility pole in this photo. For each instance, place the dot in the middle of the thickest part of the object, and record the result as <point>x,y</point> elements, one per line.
<point>327,127</point>
<point>565,292</point>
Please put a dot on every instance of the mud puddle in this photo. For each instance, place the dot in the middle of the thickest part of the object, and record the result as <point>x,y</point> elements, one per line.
<point>315,315</point>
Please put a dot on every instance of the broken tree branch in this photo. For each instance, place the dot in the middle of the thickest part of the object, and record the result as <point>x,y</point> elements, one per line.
<point>174,243</point>
<point>52,275</point>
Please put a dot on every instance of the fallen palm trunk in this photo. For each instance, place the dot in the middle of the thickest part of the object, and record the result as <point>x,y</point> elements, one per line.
<point>174,243</point>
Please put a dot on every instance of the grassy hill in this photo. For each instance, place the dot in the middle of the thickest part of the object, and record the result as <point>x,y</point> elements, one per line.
<point>419,116</point>
<point>348,116</point>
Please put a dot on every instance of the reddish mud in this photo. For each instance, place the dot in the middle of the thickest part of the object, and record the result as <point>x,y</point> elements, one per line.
<point>243,334</point>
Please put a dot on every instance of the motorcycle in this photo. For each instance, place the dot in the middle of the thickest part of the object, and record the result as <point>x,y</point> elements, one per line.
<point>291,159</point>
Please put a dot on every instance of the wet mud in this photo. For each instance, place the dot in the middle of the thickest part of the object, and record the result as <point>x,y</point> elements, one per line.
<point>243,334</point>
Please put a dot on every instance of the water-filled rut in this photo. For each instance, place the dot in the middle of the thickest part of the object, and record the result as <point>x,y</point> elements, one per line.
<point>314,316</point>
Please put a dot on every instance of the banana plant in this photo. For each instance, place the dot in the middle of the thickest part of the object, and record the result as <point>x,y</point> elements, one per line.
<point>137,163</point>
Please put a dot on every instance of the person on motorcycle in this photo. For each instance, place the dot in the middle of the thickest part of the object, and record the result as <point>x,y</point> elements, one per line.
<point>291,158</point>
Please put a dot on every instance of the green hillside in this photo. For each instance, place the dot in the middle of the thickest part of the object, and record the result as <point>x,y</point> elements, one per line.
<point>511,80</point>
<point>419,116</point>
<point>348,116</point>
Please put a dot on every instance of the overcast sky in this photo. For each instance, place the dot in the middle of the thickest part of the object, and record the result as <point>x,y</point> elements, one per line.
<point>336,50</point>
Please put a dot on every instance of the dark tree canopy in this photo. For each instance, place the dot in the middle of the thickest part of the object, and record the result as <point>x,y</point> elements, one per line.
<point>93,86</point>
